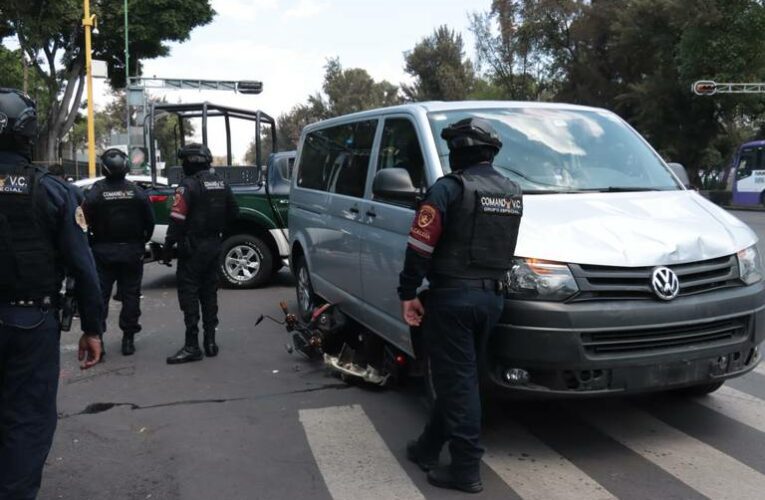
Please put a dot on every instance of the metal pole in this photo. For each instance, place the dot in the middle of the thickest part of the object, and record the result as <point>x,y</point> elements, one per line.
<point>127,78</point>
<point>88,22</point>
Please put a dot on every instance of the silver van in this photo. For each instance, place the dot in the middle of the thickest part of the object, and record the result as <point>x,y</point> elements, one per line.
<point>624,281</point>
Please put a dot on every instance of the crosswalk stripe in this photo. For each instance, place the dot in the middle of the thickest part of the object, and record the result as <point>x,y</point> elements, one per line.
<point>352,457</point>
<point>737,405</point>
<point>534,470</point>
<point>702,467</point>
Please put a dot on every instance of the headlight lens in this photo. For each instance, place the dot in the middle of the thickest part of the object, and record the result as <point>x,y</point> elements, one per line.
<point>534,279</point>
<point>749,265</point>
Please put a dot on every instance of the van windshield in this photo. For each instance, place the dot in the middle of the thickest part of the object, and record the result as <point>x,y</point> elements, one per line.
<point>562,150</point>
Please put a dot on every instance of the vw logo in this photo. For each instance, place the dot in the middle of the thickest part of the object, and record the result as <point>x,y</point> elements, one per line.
<point>665,284</point>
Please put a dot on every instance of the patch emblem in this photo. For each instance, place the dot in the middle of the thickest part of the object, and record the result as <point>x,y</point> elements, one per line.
<point>426,216</point>
<point>3,122</point>
<point>18,184</point>
<point>79,218</point>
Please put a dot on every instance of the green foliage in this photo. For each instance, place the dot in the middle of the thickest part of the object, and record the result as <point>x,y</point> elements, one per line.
<point>351,90</point>
<point>439,67</point>
<point>51,35</point>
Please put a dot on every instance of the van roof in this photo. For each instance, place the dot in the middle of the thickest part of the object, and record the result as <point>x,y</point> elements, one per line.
<point>440,106</point>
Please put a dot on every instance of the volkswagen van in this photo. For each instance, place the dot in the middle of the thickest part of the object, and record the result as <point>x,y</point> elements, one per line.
<point>623,280</point>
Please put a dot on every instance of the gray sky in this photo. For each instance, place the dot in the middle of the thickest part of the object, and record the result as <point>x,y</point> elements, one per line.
<point>285,44</point>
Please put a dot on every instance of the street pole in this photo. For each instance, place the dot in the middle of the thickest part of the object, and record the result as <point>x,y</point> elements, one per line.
<point>88,22</point>
<point>127,79</point>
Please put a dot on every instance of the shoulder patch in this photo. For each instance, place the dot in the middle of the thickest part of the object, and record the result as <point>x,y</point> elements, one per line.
<point>79,218</point>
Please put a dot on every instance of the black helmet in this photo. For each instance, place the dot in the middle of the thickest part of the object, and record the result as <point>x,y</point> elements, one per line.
<point>114,163</point>
<point>470,133</point>
<point>18,121</point>
<point>195,157</point>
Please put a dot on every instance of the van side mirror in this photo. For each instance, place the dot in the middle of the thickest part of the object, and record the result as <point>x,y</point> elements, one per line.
<point>395,185</point>
<point>679,170</point>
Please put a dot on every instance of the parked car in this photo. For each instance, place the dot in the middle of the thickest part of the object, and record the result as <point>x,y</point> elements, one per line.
<point>623,281</point>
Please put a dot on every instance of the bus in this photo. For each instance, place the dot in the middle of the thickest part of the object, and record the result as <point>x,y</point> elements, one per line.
<point>748,172</point>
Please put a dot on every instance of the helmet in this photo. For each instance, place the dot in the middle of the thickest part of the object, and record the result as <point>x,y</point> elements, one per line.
<point>114,163</point>
<point>195,157</point>
<point>18,121</point>
<point>470,133</point>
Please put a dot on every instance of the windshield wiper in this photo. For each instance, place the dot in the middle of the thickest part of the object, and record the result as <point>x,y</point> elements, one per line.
<point>626,189</point>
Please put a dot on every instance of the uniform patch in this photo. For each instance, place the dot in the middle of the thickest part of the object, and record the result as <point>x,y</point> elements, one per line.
<point>179,208</point>
<point>79,218</point>
<point>500,204</point>
<point>426,216</point>
<point>118,195</point>
<point>214,185</point>
<point>18,184</point>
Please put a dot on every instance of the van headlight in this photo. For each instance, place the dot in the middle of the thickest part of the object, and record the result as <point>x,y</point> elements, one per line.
<point>749,265</point>
<point>534,279</point>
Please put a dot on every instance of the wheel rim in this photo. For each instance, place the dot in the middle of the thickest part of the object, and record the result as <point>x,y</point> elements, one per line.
<point>304,289</point>
<point>242,263</point>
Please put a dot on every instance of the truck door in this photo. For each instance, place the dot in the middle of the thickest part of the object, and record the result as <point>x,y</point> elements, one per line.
<point>387,229</point>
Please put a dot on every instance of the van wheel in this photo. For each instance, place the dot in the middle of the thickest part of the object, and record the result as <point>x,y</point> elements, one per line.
<point>245,262</point>
<point>306,298</point>
<point>700,390</point>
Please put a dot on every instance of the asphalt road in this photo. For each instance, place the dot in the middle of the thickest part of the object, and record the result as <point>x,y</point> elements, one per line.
<point>258,423</point>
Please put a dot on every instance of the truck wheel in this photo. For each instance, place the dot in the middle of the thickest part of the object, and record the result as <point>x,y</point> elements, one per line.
<point>306,298</point>
<point>245,262</point>
<point>700,390</point>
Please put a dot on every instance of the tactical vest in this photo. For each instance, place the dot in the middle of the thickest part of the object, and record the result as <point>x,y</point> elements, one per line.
<point>118,214</point>
<point>27,250</point>
<point>207,218</point>
<point>478,241</point>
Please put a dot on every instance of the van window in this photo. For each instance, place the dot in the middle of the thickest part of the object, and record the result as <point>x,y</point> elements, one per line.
<point>751,159</point>
<point>400,148</point>
<point>336,159</point>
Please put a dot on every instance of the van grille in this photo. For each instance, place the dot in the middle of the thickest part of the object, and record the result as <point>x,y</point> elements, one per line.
<point>629,283</point>
<point>666,338</point>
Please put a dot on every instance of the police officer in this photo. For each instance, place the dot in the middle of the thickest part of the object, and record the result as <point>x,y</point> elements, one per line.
<point>203,203</point>
<point>121,221</point>
<point>463,238</point>
<point>41,231</point>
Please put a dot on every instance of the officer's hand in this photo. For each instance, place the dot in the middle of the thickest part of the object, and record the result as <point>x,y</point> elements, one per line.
<point>412,311</point>
<point>90,351</point>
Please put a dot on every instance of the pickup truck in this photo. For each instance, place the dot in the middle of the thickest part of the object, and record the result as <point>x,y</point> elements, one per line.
<point>255,245</point>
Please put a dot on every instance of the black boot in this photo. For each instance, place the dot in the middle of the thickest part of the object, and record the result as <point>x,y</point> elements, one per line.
<point>185,355</point>
<point>128,346</point>
<point>442,477</point>
<point>211,348</point>
<point>414,454</point>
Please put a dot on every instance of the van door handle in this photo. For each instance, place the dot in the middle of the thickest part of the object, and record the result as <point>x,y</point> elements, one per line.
<point>371,214</point>
<point>354,210</point>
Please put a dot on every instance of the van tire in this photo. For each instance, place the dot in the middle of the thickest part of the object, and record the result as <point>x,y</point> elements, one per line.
<point>307,300</point>
<point>250,251</point>
<point>701,390</point>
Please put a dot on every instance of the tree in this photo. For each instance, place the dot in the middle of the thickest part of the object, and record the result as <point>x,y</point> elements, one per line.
<point>440,68</point>
<point>351,90</point>
<point>51,36</point>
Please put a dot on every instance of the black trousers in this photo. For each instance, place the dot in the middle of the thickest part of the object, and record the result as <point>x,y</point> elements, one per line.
<point>455,325</point>
<point>122,264</point>
<point>197,278</point>
<point>29,370</point>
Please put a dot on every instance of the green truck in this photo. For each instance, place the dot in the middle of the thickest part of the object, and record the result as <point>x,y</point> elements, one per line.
<point>256,244</point>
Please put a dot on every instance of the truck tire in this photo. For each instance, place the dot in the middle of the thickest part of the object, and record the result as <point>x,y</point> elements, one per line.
<point>306,298</point>
<point>246,261</point>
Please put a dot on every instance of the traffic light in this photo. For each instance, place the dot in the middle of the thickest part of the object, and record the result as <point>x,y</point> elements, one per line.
<point>249,87</point>
<point>704,87</point>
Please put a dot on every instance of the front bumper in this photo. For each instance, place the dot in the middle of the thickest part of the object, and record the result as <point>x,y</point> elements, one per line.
<point>625,347</point>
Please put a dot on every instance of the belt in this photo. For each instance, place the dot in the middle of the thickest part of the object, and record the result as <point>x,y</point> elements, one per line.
<point>46,302</point>
<point>480,284</point>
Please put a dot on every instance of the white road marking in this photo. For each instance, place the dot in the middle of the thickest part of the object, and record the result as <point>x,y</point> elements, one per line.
<point>737,405</point>
<point>352,457</point>
<point>760,368</point>
<point>700,466</point>
<point>534,470</point>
